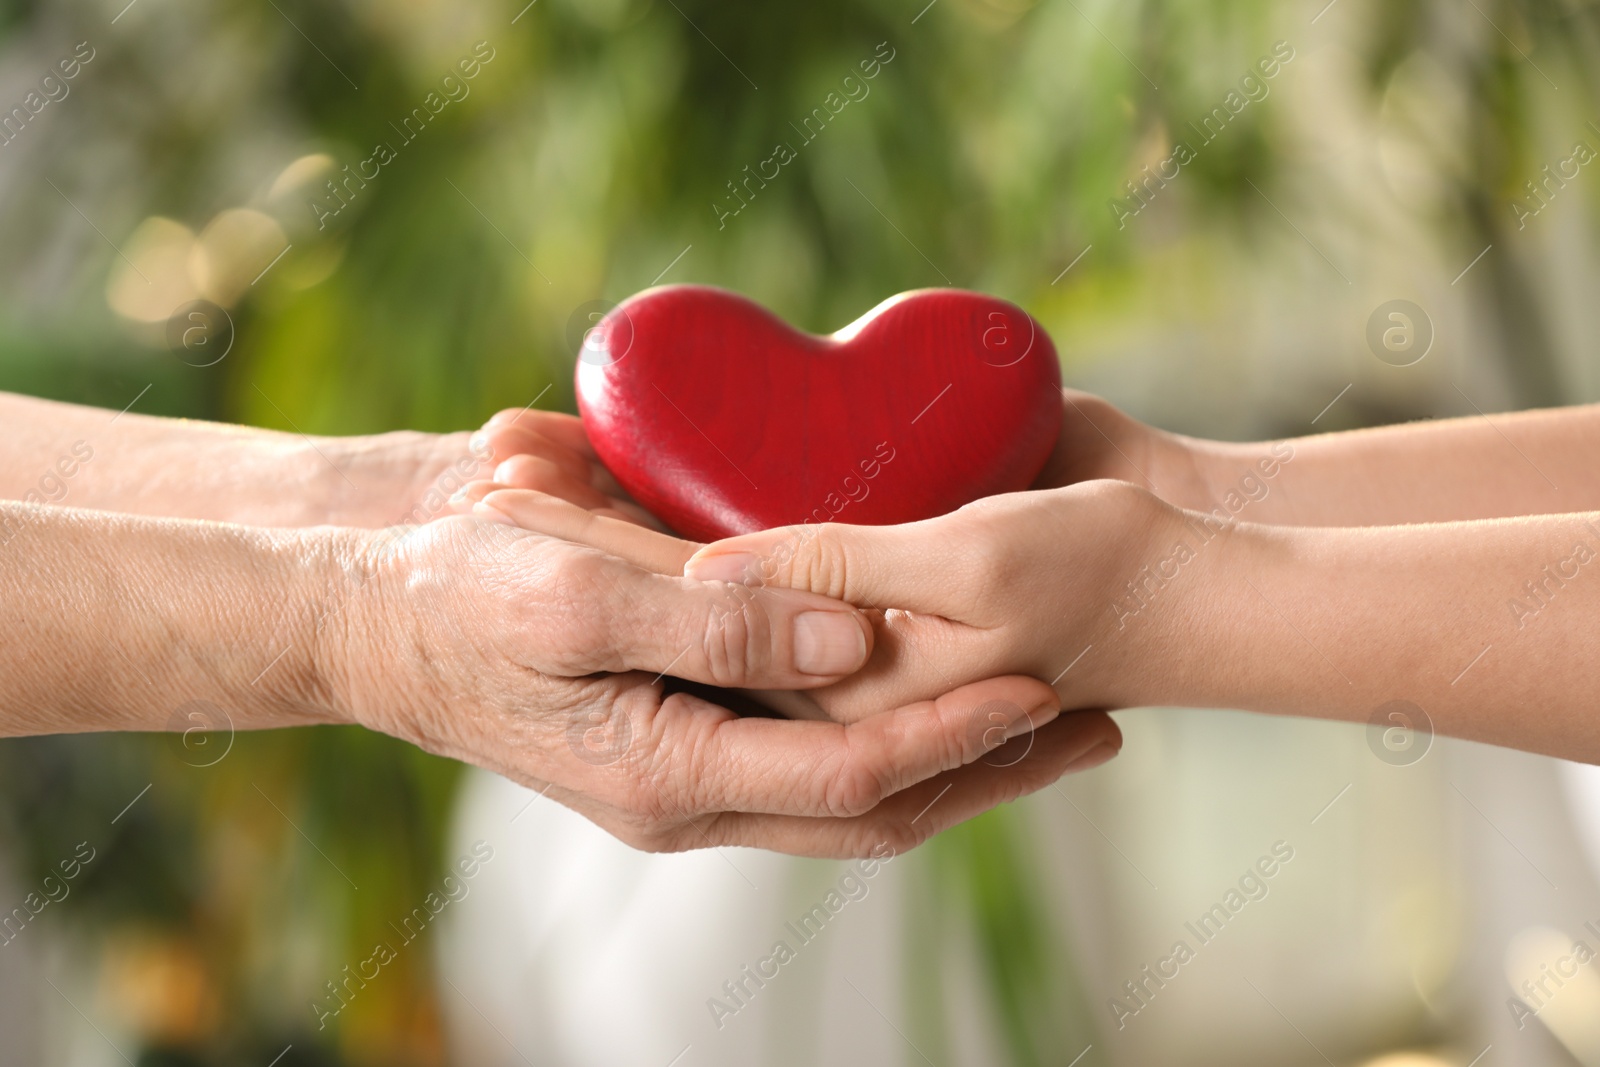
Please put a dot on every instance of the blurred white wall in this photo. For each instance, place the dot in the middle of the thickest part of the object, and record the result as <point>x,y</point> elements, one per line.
<point>1388,929</point>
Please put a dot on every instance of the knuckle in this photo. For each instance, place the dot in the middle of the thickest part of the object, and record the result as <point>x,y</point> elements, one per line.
<point>994,562</point>
<point>1096,410</point>
<point>902,836</point>
<point>655,839</point>
<point>811,557</point>
<point>642,824</point>
<point>855,789</point>
<point>1124,500</point>
<point>975,741</point>
<point>652,823</point>
<point>664,792</point>
<point>576,587</point>
<point>777,566</point>
<point>1109,492</point>
<point>576,577</point>
<point>732,639</point>
<point>982,552</point>
<point>827,562</point>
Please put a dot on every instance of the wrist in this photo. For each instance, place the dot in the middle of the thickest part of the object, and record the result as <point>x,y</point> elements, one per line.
<point>345,619</point>
<point>1149,561</point>
<point>143,616</point>
<point>226,614</point>
<point>383,657</point>
<point>1233,630</point>
<point>311,582</point>
<point>1108,629</point>
<point>240,617</point>
<point>217,613</point>
<point>399,478</point>
<point>1232,481</point>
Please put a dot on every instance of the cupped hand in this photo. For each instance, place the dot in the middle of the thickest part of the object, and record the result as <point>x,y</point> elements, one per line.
<point>1098,441</point>
<point>544,660</point>
<point>1000,582</point>
<point>407,477</point>
<point>1019,584</point>
<point>551,453</point>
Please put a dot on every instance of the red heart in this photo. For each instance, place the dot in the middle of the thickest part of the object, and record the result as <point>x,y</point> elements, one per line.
<point>721,419</point>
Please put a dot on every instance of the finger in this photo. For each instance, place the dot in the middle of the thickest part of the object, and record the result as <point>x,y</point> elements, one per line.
<point>511,445</point>
<point>1073,743</point>
<point>468,501</point>
<point>626,618</point>
<point>556,517</point>
<point>568,434</point>
<point>931,566</point>
<point>596,490</point>
<point>463,499</point>
<point>816,769</point>
<point>536,472</point>
<point>565,430</point>
<point>625,509</point>
<point>915,657</point>
<point>557,444</point>
<point>511,441</point>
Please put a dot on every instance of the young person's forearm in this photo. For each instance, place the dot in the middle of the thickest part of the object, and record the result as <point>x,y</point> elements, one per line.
<point>66,454</point>
<point>113,622</point>
<point>1489,627</point>
<point>1478,467</point>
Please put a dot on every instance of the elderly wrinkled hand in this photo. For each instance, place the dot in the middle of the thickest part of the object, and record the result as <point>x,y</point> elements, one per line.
<point>513,649</point>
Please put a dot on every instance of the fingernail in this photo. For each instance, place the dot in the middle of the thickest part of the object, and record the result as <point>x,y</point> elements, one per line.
<point>735,567</point>
<point>459,496</point>
<point>828,643</point>
<point>1091,759</point>
<point>478,442</point>
<point>1032,720</point>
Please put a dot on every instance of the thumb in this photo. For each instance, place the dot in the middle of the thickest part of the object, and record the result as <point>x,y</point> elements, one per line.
<point>920,566</point>
<point>730,636</point>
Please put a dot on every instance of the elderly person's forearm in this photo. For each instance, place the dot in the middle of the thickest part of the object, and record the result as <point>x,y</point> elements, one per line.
<point>67,454</point>
<point>113,622</point>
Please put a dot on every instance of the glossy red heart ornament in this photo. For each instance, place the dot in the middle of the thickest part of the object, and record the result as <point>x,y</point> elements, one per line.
<point>721,419</point>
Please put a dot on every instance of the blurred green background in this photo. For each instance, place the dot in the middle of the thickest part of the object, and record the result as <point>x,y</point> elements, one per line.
<point>590,155</point>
